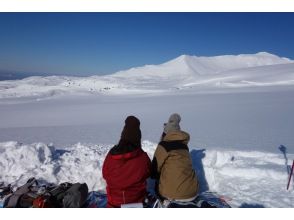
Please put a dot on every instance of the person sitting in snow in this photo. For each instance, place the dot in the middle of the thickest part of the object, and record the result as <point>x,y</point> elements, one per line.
<point>172,164</point>
<point>127,167</point>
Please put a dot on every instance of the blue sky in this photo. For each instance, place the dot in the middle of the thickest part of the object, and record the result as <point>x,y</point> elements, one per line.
<point>103,43</point>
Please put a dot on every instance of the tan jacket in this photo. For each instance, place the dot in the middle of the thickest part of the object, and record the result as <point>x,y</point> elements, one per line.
<point>172,165</point>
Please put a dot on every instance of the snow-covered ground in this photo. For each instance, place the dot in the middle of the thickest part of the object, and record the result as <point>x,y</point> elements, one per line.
<point>237,109</point>
<point>255,120</point>
<point>243,178</point>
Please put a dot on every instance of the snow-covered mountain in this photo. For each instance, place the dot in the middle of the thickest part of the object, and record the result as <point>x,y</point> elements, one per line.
<point>188,73</point>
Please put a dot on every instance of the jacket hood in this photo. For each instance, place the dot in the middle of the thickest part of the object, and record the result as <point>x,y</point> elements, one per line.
<point>177,136</point>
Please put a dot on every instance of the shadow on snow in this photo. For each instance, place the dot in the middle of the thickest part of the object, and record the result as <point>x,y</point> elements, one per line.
<point>197,156</point>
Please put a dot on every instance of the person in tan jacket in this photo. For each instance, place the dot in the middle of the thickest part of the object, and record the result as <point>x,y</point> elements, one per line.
<point>172,164</point>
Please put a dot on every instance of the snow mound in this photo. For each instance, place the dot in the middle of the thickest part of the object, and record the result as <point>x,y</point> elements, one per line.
<point>78,163</point>
<point>249,179</point>
<point>243,178</point>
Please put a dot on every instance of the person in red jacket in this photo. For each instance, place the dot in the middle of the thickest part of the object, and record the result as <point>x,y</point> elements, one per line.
<point>127,167</point>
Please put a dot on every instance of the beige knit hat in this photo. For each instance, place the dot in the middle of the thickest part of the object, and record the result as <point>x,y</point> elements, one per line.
<point>173,123</point>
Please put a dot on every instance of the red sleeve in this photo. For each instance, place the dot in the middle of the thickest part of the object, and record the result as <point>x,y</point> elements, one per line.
<point>105,167</point>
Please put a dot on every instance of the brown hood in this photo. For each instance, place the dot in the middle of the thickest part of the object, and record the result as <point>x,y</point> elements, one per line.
<point>177,136</point>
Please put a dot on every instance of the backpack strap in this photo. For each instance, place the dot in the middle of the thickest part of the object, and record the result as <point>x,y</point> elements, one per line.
<point>14,198</point>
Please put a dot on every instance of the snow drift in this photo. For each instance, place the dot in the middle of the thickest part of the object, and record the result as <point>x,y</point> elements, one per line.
<point>243,178</point>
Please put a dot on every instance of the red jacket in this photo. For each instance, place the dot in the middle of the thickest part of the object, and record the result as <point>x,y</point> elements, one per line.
<point>126,176</point>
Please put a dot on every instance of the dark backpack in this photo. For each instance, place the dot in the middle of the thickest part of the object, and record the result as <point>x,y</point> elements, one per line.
<point>5,193</point>
<point>58,193</point>
<point>51,197</point>
<point>76,196</point>
<point>24,195</point>
<point>31,194</point>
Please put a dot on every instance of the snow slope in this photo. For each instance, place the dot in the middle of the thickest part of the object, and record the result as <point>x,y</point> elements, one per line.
<point>243,178</point>
<point>185,72</point>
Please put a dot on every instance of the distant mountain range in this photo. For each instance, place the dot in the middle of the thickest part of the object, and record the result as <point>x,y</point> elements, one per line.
<point>14,75</point>
<point>8,75</point>
<point>184,73</point>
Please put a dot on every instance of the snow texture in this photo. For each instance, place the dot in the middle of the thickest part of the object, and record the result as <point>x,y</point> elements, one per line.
<point>242,178</point>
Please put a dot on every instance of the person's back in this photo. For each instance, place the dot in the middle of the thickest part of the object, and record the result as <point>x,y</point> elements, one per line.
<point>172,164</point>
<point>126,167</point>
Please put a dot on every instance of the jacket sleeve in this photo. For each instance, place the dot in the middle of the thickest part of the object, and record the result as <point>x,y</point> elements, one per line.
<point>159,158</point>
<point>105,167</point>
